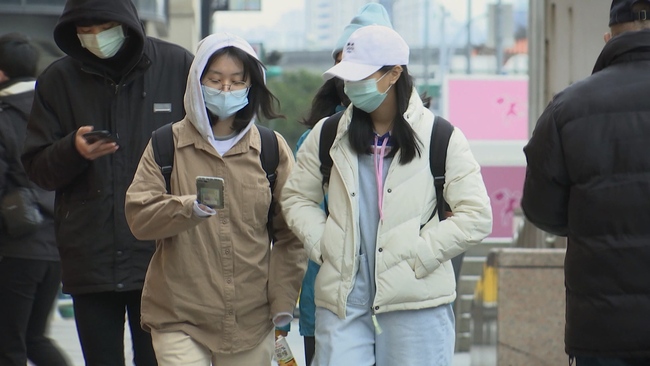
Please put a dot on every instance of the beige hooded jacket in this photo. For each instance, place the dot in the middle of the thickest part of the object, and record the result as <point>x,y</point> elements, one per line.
<point>217,279</point>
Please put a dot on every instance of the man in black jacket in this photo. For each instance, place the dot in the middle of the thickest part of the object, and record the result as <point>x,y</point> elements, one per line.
<point>30,269</point>
<point>114,78</point>
<point>588,178</point>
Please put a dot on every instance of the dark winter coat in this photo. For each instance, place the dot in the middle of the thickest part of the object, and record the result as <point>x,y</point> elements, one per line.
<point>588,178</point>
<point>14,112</point>
<point>130,94</point>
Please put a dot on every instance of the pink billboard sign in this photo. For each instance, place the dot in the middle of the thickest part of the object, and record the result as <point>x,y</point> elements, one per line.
<point>488,108</point>
<point>505,187</point>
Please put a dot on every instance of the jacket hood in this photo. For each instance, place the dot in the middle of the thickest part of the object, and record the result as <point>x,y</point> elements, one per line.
<point>121,11</point>
<point>194,102</point>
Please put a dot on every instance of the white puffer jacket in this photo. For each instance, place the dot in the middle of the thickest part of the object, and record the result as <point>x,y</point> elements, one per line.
<point>412,267</point>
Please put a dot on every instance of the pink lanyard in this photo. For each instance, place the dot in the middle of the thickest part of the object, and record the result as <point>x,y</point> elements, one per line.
<point>379,173</point>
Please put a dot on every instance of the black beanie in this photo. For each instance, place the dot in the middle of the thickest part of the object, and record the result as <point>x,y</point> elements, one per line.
<point>18,56</point>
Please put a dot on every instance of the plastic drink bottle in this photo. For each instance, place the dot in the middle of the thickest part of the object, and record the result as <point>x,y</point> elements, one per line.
<point>283,353</point>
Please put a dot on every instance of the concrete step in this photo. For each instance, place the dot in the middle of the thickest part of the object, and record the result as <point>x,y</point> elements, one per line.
<point>467,284</point>
<point>470,274</point>
<point>463,306</point>
<point>463,323</point>
<point>463,342</point>
<point>481,250</point>
<point>472,265</point>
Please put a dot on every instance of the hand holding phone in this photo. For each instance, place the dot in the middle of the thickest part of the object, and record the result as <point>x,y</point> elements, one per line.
<point>209,191</point>
<point>94,136</point>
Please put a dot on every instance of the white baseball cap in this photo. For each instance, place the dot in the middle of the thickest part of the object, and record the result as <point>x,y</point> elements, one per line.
<point>367,50</point>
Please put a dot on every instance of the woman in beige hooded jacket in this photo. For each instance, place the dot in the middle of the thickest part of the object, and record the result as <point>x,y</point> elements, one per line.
<point>216,286</point>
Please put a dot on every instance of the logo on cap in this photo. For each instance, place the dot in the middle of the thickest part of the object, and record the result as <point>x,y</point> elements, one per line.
<point>349,47</point>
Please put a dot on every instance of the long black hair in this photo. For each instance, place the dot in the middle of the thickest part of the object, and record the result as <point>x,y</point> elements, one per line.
<point>403,137</point>
<point>260,99</point>
<point>328,97</point>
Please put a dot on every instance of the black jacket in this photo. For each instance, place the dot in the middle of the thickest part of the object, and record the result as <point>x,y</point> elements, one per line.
<point>131,94</point>
<point>14,111</point>
<point>588,178</point>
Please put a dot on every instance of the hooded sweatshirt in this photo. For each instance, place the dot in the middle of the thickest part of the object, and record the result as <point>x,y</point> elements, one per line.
<point>131,94</point>
<point>217,279</point>
<point>121,11</point>
<point>194,102</point>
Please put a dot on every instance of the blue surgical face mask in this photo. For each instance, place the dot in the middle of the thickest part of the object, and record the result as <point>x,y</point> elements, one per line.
<point>364,95</point>
<point>103,44</point>
<point>223,104</point>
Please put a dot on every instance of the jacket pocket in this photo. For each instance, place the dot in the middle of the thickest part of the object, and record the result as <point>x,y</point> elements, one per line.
<point>360,294</point>
<point>256,201</point>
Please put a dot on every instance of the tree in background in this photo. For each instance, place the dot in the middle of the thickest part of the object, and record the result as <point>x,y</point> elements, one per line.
<point>295,91</point>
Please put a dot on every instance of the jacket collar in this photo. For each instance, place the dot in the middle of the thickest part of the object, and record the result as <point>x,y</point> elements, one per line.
<point>415,107</point>
<point>628,46</point>
<point>188,135</point>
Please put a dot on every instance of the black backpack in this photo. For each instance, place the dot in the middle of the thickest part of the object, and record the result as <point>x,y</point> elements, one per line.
<point>162,141</point>
<point>440,135</point>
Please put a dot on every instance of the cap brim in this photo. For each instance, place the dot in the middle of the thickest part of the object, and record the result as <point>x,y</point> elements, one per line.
<point>350,71</point>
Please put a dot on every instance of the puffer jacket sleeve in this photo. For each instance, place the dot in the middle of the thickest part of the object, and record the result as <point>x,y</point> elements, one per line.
<point>302,195</point>
<point>50,157</point>
<point>546,187</point>
<point>467,196</point>
<point>151,212</point>
<point>288,257</point>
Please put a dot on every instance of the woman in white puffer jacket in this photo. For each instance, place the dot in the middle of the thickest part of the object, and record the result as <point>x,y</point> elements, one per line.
<point>386,285</point>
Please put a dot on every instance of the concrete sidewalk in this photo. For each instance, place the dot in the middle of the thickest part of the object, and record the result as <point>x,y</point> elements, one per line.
<point>64,332</point>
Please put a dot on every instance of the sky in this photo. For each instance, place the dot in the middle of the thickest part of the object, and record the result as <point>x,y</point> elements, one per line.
<point>272,10</point>
<point>267,25</point>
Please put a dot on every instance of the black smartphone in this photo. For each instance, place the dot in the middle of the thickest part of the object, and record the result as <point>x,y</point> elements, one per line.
<point>209,191</point>
<point>94,136</point>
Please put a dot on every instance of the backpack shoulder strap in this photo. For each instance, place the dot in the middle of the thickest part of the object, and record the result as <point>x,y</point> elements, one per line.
<point>270,156</point>
<point>162,141</point>
<point>270,159</point>
<point>440,135</point>
<point>327,136</point>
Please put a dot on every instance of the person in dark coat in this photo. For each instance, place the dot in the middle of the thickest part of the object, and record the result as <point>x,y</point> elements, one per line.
<point>113,78</point>
<point>30,269</point>
<point>588,178</point>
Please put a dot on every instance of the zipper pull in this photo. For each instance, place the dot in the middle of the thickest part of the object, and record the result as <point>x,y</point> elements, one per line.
<point>376,324</point>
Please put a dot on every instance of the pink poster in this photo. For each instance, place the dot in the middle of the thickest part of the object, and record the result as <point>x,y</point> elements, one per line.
<point>488,107</point>
<point>505,186</point>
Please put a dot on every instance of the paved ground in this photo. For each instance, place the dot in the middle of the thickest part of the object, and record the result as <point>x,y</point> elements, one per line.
<point>63,331</point>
